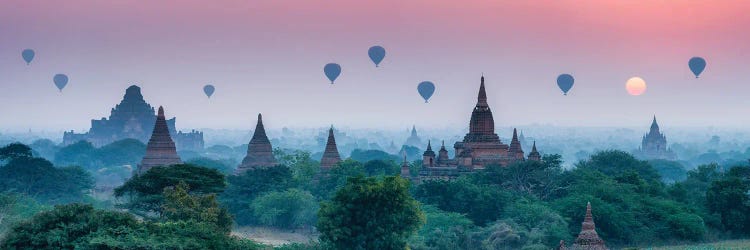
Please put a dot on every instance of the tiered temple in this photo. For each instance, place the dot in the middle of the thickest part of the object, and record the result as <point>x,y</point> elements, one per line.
<point>588,239</point>
<point>413,139</point>
<point>480,147</point>
<point>132,118</point>
<point>654,144</point>
<point>259,150</point>
<point>331,155</point>
<point>160,150</point>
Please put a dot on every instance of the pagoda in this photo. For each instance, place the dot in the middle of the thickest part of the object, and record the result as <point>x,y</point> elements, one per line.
<point>588,239</point>
<point>654,144</point>
<point>160,150</point>
<point>331,154</point>
<point>413,139</point>
<point>480,147</point>
<point>259,150</point>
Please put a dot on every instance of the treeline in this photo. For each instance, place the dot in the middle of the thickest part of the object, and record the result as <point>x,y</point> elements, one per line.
<point>360,204</point>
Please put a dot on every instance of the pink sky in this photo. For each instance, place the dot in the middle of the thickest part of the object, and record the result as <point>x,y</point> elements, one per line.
<point>267,56</point>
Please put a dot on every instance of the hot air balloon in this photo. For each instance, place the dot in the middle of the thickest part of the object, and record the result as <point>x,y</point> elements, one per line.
<point>60,81</point>
<point>697,65</point>
<point>332,71</point>
<point>376,53</point>
<point>565,82</point>
<point>209,90</point>
<point>426,89</point>
<point>28,55</point>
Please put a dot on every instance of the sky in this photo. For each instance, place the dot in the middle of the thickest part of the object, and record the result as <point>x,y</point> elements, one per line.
<point>268,57</point>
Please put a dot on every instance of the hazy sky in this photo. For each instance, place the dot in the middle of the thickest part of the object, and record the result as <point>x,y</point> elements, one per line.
<point>268,56</point>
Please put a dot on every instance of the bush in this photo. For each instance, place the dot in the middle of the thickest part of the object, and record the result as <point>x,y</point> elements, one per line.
<point>292,208</point>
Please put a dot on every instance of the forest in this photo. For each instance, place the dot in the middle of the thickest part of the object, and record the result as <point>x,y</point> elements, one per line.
<point>70,198</point>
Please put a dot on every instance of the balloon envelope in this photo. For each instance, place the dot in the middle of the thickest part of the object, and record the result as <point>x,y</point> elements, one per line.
<point>426,89</point>
<point>332,71</point>
<point>28,55</point>
<point>376,53</point>
<point>565,82</point>
<point>60,81</point>
<point>209,90</point>
<point>697,65</point>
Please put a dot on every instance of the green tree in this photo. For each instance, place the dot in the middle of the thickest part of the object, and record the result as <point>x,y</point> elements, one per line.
<point>15,150</point>
<point>292,208</point>
<point>79,226</point>
<point>181,205</point>
<point>369,155</point>
<point>244,188</point>
<point>615,162</point>
<point>337,177</point>
<point>144,193</point>
<point>381,167</point>
<point>481,203</point>
<point>37,178</point>
<point>368,213</point>
<point>730,198</point>
<point>224,166</point>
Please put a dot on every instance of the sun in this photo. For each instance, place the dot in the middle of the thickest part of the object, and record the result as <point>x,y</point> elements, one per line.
<point>635,86</point>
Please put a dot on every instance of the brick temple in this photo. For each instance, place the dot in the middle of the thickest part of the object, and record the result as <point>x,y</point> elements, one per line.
<point>132,118</point>
<point>480,147</point>
<point>259,150</point>
<point>160,150</point>
<point>331,155</point>
<point>654,144</point>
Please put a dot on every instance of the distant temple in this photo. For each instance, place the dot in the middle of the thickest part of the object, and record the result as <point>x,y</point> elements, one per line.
<point>259,150</point>
<point>331,154</point>
<point>588,239</point>
<point>654,145</point>
<point>160,150</point>
<point>132,118</point>
<point>481,147</point>
<point>414,139</point>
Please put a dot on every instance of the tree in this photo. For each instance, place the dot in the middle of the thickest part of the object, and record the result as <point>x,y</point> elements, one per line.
<point>381,167</point>
<point>15,150</point>
<point>670,171</point>
<point>369,155</point>
<point>615,162</point>
<point>336,178</point>
<point>144,192</point>
<point>730,198</point>
<point>292,208</point>
<point>368,213</point>
<point>79,226</point>
<point>181,205</point>
<point>244,188</point>
<point>37,178</point>
<point>538,178</point>
<point>481,203</point>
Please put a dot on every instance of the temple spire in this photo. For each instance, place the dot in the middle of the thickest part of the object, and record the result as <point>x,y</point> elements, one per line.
<point>259,150</point>
<point>482,96</point>
<point>331,155</point>
<point>654,125</point>
<point>160,150</point>
<point>588,238</point>
<point>515,146</point>
<point>534,155</point>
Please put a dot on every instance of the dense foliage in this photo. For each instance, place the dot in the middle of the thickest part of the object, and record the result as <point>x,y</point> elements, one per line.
<point>143,193</point>
<point>78,226</point>
<point>368,213</point>
<point>38,178</point>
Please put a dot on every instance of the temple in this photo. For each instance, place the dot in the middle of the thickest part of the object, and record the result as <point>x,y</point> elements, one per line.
<point>331,154</point>
<point>160,150</point>
<point>654,145</point>
<point>413,139</point>
<point>588,239</point>
<point>259,150</point>
<point>132,118</point>
<point>480,147</point>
